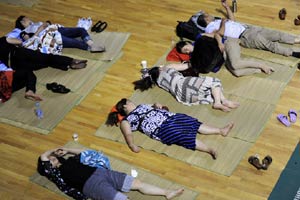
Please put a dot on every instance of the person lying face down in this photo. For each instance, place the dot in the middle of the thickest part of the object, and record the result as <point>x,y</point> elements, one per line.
<point>80,178</point>
<point>187,90</point>
<point>162,125</point>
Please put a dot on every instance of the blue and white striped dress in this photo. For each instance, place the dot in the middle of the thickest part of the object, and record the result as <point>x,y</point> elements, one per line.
<point>167,127</point>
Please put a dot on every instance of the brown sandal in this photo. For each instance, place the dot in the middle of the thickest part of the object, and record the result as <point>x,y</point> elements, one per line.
<point>253,160</point>
<point>266,162</point>
<point>282,14</point>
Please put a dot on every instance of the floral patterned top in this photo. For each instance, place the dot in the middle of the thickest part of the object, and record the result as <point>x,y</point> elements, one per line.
<point>53,174</point>
<point>147,119</point>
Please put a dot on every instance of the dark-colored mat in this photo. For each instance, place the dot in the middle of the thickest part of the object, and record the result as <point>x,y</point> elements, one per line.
<point>288,184</point>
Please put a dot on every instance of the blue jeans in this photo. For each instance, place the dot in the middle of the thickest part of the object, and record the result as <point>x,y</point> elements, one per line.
<point>69,36</point>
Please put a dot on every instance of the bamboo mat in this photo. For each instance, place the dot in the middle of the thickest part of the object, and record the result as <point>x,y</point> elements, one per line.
<point>113,42</point>
<point>20,112</point>
<point>257,94</point>
<point>26,3</point>
<point>122,166</point>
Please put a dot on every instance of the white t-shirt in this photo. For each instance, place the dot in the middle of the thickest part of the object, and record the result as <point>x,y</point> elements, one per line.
<point>232,29</point>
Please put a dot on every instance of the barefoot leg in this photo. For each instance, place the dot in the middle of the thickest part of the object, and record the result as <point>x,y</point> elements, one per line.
<point>200,146</point>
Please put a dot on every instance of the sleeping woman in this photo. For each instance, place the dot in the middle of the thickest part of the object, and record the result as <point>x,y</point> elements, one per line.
<point>187,90</point>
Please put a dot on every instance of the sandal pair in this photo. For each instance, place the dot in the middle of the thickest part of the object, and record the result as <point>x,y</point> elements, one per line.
<point>254,160</point>
<point>57,88</point>
<point>292,114</point>
<point>99,27</point>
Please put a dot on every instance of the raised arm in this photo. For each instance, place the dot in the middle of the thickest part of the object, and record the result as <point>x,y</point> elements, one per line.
<point>127,133</point>
<point>221,30</point>
<point>60,152</point>
<point>230,15</point>
<point>178,66</point>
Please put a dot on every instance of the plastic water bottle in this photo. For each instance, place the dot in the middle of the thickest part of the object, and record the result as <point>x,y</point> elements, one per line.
<point>234,6</point>
<point>38,111</point>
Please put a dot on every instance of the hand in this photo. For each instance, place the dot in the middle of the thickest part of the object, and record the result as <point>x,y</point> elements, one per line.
<point>60,152</point>
<point>157,105</point>
<point>224,4</point>
<point>135,148</point>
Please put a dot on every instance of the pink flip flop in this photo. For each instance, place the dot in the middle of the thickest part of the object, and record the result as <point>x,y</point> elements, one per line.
<point>292,115</point>
<point>283,119</point>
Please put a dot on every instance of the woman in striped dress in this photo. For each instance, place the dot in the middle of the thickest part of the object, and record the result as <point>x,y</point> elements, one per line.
<point>162,125</point>
<point>187,90</point>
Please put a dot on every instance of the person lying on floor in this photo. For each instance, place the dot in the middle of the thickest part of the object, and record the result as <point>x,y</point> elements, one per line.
<point>249,36</point>
<point>24,61</point>
<point>162,125</point>
<point>187,90</point>
<point>205,57</point>
<point>87,174</point>
<point>68,34</point>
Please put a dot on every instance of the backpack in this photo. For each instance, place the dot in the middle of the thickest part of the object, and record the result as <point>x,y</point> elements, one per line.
<point>189,29</point>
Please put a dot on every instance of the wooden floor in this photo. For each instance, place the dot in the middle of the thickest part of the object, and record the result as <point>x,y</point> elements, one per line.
<point>151,24</point>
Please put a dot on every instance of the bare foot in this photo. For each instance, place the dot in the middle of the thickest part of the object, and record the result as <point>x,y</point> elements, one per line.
<point>230,104</point>
<point>267,70</point>
<point>222,107</point>
<point>174,193</point>
<point>226,129</point>
<point>32,96</point>
<point>213,153</point>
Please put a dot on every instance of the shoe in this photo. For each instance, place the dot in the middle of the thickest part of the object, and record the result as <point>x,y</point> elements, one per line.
<point>93,29</point>
<point>101,27</point>
<point>253,160</point>
<point>266,162</point>
<point>284,120</point>
<point>97,48</point>
<point>297,21</point>
<point>292,115</point>
<point>78,66</point>
<point>282,14</point>
<point>57,88</point>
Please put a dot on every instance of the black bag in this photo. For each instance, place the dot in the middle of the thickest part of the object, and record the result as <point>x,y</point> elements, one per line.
<point>187,30</point>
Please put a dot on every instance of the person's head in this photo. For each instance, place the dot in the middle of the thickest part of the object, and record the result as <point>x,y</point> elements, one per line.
<point>205,19</point>
<point>119,111</point>
<point>185,47</point>
<point>148,81</point>
<point>23,22</point>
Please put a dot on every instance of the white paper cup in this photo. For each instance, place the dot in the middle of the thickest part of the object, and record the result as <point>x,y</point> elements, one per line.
<point>75,137</point>
<point>144,63</point>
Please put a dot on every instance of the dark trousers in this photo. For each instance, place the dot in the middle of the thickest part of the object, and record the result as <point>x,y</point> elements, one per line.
<point>69,36</point>
<point>28,59</point>
<point>24,78</point>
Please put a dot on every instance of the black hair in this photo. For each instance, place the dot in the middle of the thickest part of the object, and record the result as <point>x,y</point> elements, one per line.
<point>181,44</point>
<point>112,118</point>
<point>18,22</point>
<point>148,81</point>
<point>201,21</point>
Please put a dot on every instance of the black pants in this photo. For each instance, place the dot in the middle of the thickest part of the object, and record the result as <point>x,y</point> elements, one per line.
<point>24,78</point>
<point>28,59</point>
